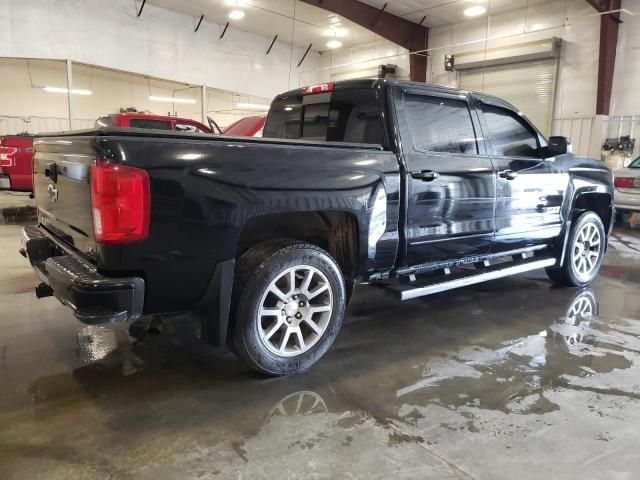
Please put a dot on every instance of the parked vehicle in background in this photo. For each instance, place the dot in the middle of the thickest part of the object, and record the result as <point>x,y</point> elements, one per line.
<point>151,121</point>
<point>246,127</point>
<point>16,160</point>
<point>627,183</point>
<point>418,188</point>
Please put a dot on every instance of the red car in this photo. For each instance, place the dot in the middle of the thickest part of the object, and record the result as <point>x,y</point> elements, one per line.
<point>157,122</point>
<point>246,127</point>
<point>16,155</point>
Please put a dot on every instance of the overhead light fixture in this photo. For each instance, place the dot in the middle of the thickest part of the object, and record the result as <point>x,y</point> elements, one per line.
<point>171,99</point>
<point>475,11</point>
<point>336,32</point>
<point>236,14</point>
<point>237,3</point>
<point>253,106</point>
<point>334,44</point>
<point>74,91</point>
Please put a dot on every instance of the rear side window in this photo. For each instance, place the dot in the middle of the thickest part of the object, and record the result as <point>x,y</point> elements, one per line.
<point>440,125</point>
<point>152,124</point>
<point>343,116</point>
<point>510,135</point>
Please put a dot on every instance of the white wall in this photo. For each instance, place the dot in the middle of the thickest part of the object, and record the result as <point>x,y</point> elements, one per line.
<point>624,98</point>
<point>363,61</point>
<point>569,20</point>
<point>160,43</point>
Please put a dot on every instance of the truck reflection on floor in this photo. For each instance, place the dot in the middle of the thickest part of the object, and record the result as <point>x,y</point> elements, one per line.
<point>514,377</point>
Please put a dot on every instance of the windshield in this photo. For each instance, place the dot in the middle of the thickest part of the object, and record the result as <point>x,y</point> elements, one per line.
<point>635,163</point>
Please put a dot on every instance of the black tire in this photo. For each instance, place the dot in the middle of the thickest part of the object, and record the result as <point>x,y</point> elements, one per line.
<point>256,270</point>
<point>569,275</point>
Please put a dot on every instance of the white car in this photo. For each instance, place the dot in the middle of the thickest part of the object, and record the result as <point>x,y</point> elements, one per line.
<point>627,183</point>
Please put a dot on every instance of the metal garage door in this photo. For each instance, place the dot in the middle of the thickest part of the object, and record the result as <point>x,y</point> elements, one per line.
<point>528,85</point>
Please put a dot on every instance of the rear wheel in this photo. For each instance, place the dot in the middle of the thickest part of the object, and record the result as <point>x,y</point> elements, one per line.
<point>289,304</point>
<point>584,252</point>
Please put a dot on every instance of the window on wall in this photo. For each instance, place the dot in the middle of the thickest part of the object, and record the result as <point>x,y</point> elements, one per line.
<point>440,125</point>
<point>510,135</point>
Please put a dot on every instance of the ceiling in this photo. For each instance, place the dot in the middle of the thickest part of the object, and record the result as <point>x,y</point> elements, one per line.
<point>270,17</point>
<point>303,24</point>
<point>446,12</point>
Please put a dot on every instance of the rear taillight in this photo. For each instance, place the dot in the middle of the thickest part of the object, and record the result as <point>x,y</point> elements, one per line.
<point>624,182</point>
<point>8,156</point>
<point>321,88</point>
<point>120,202</point>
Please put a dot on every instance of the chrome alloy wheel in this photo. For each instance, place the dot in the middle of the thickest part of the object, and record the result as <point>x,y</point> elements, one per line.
<point>587,249</point>
<point>295,310</point>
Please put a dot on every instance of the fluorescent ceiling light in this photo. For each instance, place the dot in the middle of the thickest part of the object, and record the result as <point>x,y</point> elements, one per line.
<point>74,91</point>
<point>253,106</point>
<point>336,32</point>
<point>236,3</point>
<point>236,14</point>
<point>475,11</point>
<point>171,99</point>
<point>334,44</point>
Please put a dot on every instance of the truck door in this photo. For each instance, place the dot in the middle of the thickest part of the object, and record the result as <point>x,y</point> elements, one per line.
<point>449,179</point>
<point>529,190</point>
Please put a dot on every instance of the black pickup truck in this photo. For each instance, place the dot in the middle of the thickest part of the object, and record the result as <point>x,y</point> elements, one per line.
<point>415,187</point>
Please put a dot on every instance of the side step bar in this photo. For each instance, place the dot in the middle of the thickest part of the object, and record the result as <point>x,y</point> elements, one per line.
<point>408,291</point>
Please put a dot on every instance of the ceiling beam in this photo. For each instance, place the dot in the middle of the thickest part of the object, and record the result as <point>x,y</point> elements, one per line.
<point>398,30</point>
<point>609,25</point>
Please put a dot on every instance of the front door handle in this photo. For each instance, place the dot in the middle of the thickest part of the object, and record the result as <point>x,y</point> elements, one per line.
<point>425,175</point>
<point>508,174</point>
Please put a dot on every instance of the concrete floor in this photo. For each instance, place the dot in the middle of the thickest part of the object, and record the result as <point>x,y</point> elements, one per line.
<point>489,382</point>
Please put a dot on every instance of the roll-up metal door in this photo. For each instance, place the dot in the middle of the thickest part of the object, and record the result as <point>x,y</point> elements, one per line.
<point>529,86</point>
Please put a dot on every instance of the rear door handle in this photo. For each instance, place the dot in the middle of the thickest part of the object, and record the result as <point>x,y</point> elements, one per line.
<point>425,175</point>
<point>508,174</point>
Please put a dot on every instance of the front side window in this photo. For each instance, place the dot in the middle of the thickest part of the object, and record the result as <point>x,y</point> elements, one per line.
<point>188,127</point>
<point>510,135</point>
<point>440,125</point>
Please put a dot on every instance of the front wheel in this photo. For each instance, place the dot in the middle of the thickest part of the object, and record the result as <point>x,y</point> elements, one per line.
<point>290,300</point>
<point>584,252</point>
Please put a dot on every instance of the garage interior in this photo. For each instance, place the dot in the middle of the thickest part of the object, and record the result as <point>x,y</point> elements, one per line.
<point>510,377</point>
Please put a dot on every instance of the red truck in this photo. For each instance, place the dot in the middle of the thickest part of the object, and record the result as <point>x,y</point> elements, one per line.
<point>156,122</point>
<point>16,151</point>
<point>16,155</point>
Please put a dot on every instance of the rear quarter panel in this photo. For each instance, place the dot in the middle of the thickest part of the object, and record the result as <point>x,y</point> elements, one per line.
<point>204,192</point>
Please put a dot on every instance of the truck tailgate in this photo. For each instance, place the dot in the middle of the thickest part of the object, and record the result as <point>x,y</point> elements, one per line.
<point>63,190</point>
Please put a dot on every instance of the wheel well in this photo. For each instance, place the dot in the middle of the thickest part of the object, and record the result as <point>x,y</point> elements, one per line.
<point>336,232</point>
<point>599,203</point>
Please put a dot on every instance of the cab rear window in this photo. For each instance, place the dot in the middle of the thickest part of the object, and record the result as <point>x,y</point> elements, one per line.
<point>343,116</point>
<point>152,124</point>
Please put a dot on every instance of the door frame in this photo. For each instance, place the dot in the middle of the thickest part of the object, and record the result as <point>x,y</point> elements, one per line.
<point>396,99</point>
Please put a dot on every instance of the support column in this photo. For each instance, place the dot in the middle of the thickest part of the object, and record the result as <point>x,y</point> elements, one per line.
<point>609,23</point>
<point>204,103</point>
<point>69,94</point>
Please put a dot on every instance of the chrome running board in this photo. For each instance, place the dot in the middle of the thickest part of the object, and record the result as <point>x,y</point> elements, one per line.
<point>410,290</point>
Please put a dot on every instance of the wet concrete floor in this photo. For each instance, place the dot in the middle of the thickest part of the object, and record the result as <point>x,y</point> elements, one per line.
<point>513,378</point>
